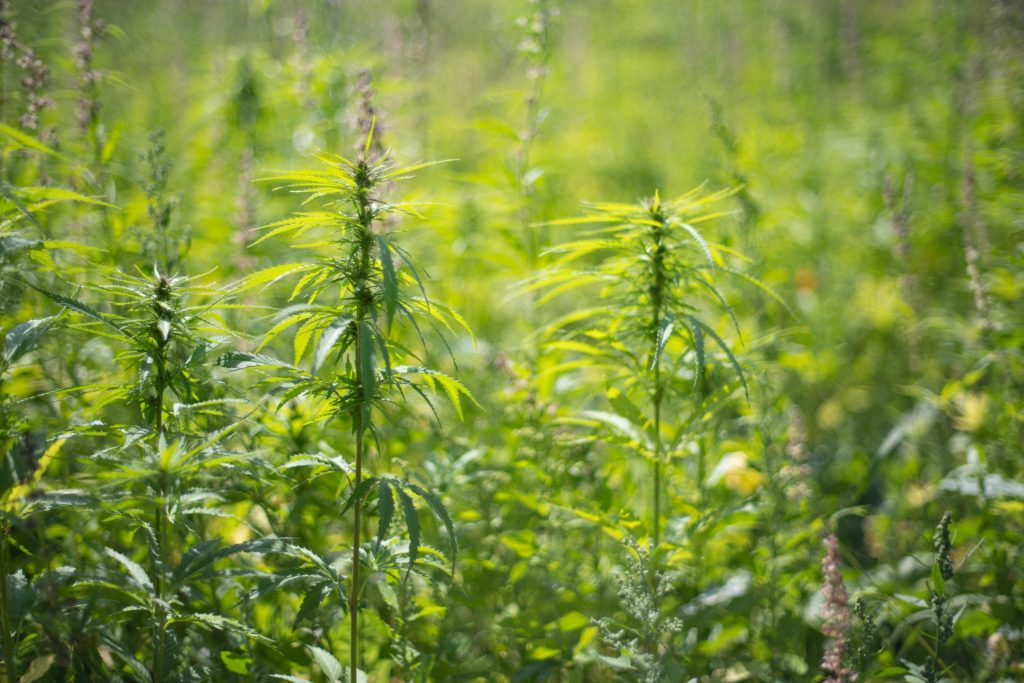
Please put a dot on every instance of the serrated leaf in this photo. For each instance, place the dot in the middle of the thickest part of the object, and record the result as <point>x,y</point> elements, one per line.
<point>327,662</point>
<point>238,360</point>
<point>367,374</point>
<point>389,280</point>
<point>76,305</point>
<point>664,334</point>
<point>135,571</point>
<point>328,340</point>
<point>23,337</point>
<point>725,348</point>
<point>698,349</point>
<point>315,595</point>
<point>385,509</point>
<point>699,239</point>
<point>358,493</point>
<point>441,512</point>
<point>412,524</point>
<point>452,387</point>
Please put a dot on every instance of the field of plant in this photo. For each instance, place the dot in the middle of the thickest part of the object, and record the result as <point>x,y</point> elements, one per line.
<point>514,341</point>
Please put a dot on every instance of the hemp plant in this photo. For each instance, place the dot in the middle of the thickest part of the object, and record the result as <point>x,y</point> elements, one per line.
<point>25,255</point>
<point>348,302</point>
<point>158,474</point>
<point>655,276</point>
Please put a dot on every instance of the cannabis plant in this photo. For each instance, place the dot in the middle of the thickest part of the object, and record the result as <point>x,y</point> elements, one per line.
<point>345,310</point>
<point>656,281</point>
<point>162,456</point>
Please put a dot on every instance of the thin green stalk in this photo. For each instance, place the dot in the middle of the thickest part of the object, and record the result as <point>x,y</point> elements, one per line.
<point>657,291</point>
<point>656,512</point>
<point>10,672</point>
<point>362,418</point>
<point>160,384</point>
<point>353,601</point>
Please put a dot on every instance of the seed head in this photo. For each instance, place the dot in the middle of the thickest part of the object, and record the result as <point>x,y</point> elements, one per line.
<point>943,546</point>
<point>837,617</point>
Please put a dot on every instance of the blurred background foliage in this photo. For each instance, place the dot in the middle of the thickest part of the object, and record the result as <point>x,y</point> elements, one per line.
<point>875,153</point>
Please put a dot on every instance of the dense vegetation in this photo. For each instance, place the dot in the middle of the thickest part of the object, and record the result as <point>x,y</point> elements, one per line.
<point>533,340</point>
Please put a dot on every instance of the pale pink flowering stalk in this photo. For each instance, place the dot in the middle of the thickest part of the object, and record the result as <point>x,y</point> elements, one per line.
<point>837,617</point>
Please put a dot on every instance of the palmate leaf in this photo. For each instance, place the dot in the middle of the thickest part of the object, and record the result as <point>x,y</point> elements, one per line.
<point>453,388</point>
<point>202,556</point>
<point>404,171</point>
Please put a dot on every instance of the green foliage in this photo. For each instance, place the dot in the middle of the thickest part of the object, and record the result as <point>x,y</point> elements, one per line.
<point>241,453</point>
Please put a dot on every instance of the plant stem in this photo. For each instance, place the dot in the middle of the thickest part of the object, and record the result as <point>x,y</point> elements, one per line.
<point>160,514</point>
<point>353,601</point>
<point>656,512</point>
<point>5,611</point>
<point>362,417</point>
<point>657,291</point>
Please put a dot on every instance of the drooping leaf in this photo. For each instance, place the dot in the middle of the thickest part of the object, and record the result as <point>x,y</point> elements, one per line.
<point>315,595</point>
<point>725,349</point>
<point>328,339</point>
<point>385,509</point>
<point>698,348</point>
<point>412,524</point>
<point>441,512</point>
<point>23,337</point>
<point>135,571</point>
<point>389,280</point>
<point>667,325</point>
<point>77,306</point>
<point>358,493</point>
